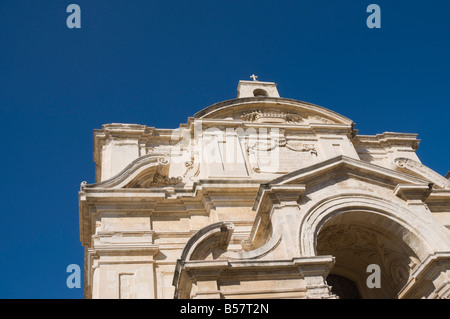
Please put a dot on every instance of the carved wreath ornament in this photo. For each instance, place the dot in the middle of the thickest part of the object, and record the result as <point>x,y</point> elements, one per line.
<point>268,116</point>
<point>161,180</point>
<point>256,115</point>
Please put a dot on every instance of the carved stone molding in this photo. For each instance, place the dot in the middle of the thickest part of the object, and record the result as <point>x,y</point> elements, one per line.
<point>157,179</point>
<point>413,194</point>
<point>280,155</point>
<point>271,117</point>
<point>260,116</point>
<point>192,169</point>
<point>410,166</point>
<point>161,180</point>
<point>355,247</point>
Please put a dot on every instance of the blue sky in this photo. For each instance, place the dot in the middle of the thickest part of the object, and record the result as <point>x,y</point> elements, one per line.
<point>159,62</point>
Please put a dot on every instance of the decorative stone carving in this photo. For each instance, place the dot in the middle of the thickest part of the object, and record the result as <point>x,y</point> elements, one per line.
<point>355,246</point>
<point>260,116</point>
<point>271,117</point>
<point>273,236</point>
<point>161,180</point>
<point>189,165</point>
<point>157,179</point>
<point>192,169</point>
<point>300,147</point>
<point>411,166</point>
<point>279,156</point>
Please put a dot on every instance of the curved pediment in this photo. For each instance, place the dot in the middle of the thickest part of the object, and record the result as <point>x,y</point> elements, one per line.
<point>210,241</point>
<point>272,110</point>
<point>146,171</point>
<point>294,183</point>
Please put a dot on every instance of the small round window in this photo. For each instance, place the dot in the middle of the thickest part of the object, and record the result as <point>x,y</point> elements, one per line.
<point>260,92</point>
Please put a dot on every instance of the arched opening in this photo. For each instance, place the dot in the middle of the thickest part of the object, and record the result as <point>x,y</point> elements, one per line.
<point>260,92</point>
<point>343,287</point>
<point>358,239</point>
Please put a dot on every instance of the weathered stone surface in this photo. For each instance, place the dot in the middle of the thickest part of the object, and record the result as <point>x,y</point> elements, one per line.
<point>262,197</point>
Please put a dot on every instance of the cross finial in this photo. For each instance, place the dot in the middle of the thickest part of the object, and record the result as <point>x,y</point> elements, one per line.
<point>254,77</point>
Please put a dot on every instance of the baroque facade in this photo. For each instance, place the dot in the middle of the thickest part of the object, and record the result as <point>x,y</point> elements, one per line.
<point>262,197</point>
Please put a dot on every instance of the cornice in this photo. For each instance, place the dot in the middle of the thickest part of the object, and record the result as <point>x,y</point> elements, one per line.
<point>210,110</point>
<point>389,139</point>
<point>348,162</point>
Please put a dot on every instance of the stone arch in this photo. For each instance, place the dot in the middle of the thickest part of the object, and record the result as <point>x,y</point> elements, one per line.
<point>209,242</point>
<point>358,239</point>
<point>360,229</point>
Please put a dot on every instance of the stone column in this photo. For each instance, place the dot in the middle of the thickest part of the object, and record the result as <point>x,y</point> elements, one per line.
<point>198,279</point>
<point>315,270</point>
<point>431,280</point>
<point>123,270</point>
<point>207,289</point>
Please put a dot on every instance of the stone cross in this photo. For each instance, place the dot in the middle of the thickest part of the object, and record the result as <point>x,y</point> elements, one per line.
<point>254,77</point>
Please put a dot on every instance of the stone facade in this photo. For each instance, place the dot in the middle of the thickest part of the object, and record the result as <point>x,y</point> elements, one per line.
<point>262,197</point>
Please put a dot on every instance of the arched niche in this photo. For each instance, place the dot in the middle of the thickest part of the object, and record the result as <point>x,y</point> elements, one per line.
<point>362,229</point>
<point>358,239</point>
<point>260,92</point>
